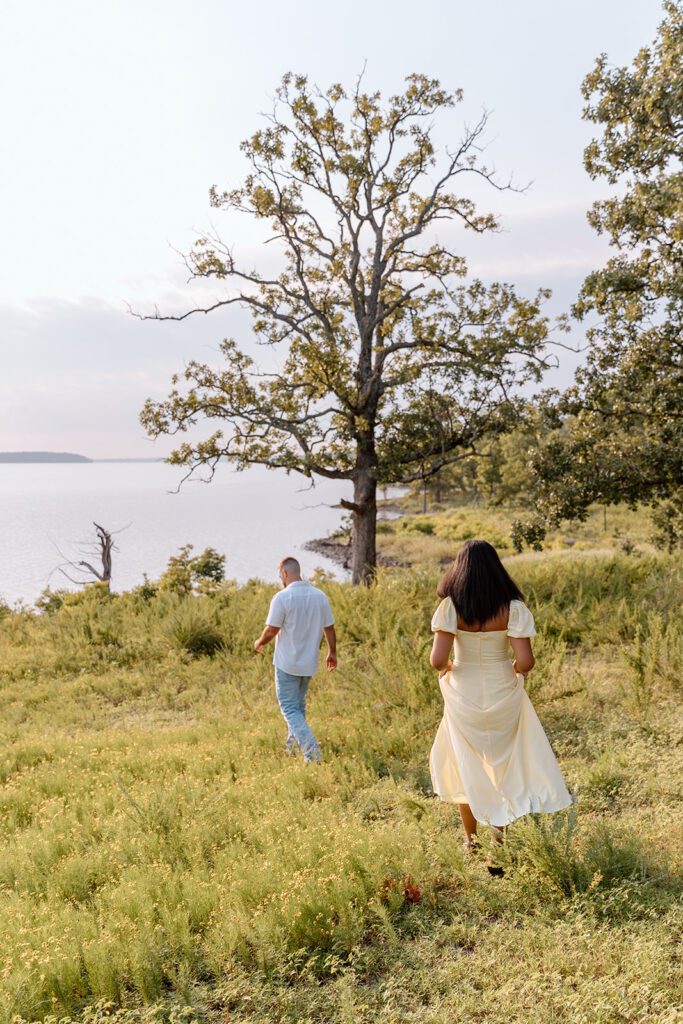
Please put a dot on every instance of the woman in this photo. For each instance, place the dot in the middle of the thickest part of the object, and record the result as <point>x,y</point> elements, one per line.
<point>491,755</point>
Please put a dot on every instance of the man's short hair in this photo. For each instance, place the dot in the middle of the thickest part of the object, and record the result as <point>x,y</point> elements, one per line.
<point>290,566</point>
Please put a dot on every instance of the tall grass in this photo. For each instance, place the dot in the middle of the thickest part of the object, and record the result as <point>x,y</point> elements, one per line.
<point>159,850</point>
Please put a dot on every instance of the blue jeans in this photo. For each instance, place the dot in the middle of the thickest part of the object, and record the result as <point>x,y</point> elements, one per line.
<point>291,695</point>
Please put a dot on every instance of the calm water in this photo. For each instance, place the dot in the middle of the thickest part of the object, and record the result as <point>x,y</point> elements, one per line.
<point>254,518</point>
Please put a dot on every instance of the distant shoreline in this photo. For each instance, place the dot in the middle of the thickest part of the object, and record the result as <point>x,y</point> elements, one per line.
<point>33,457</point>
<point>56,458</point>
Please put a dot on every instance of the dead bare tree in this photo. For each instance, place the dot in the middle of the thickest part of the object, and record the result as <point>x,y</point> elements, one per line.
<point>106,546</point>
<point>85,572</point>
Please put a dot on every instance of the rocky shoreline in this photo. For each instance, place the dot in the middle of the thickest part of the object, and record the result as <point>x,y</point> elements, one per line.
<point>339,551</point>
<point>340,554</point>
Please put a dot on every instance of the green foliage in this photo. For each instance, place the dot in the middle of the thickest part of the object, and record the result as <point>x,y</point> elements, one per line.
<point>193,629</point>
<point>105,1012</point>
<point>209,565</point>
<point>588,600</point>
<point>621,437</point>
<point>458,525</point>
<point>445,528</point>
<point>546,854</point>
<point>498,473</point>
<point>654,656</point>
<point>90,596</point>
<point>416,525</point>
<point>606,778</point>
<point>186,573</point>
<point>50,601</point>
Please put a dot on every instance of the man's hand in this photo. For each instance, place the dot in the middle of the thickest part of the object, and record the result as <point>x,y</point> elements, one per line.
<point>269,633</point>
<point>331,637</point>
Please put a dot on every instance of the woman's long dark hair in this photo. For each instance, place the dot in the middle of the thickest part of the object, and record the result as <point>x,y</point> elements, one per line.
<point>478,584</point>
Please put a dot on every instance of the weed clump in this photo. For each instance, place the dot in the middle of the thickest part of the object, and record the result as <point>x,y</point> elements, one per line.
<point>193,629</point>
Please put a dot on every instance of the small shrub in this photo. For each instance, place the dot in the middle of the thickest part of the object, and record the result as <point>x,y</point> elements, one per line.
<point>628,547</point>
<point>50,601</point>
<point>193,630</point>
<point>147,589</point>
<point>553,860</point>
<point>92,595</point>
<point>416,524</point>
<point>606,779</point>
<point>209,565</point>
<point>550,667</point>
<point>655,659</point>
<point>186,573</point>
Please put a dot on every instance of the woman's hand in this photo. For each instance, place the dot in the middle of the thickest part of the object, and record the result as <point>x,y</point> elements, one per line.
<point>443,671</point>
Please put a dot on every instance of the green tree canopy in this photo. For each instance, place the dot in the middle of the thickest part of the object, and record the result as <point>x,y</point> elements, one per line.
<point>623,438</point>
<point>392,364</point>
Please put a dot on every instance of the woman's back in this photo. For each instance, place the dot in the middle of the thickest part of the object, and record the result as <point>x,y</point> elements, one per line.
<point>488,645</point>
<point>495,625</point>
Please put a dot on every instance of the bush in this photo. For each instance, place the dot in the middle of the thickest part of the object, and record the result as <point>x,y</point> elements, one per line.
<point>186,573</point>
<point>209,565</point>
<point>50,601</point>
<point>551,860</point>
<point>416,524</point>
<point>194,629</point>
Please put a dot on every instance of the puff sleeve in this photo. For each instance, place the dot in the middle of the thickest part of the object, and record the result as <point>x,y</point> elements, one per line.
<point>521,621</point>
<point>445,619</point>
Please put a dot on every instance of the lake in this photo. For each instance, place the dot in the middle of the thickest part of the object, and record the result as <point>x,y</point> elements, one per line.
<point>254,518</point>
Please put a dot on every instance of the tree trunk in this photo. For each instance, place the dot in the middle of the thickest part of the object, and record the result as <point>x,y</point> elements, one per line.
<point>364,530</point>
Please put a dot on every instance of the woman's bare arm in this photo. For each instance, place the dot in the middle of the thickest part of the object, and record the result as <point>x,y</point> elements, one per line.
<point>441,650</point>
<point>524,658</point>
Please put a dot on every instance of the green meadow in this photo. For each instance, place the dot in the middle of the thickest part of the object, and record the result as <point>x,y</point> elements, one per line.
<point>163,859</point>
<point>430,539</point>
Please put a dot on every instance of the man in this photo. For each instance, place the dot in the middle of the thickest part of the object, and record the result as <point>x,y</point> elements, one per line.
<point>297,619</point>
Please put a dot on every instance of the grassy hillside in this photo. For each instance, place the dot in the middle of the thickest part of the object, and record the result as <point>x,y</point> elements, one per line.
<point>160,853</point>
<point>418,539</point>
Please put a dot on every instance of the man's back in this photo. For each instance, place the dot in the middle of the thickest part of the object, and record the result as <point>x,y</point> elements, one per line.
<point>301,612</point>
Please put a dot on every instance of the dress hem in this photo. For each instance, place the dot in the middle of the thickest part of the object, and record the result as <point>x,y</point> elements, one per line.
<point>549,807</point>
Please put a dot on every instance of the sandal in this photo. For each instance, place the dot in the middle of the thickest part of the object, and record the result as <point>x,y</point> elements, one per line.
<point>495,869</point>
<point>498,837</point>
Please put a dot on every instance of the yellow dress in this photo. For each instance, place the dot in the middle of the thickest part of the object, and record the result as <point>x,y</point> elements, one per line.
<point>490,750</point>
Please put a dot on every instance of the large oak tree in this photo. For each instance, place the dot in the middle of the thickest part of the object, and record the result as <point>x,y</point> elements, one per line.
<point>393,365</point>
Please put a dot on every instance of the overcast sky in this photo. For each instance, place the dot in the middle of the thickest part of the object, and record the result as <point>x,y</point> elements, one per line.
<point>117,116</point>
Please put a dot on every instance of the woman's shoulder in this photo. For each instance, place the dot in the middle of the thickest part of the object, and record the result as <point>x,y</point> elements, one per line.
<point>520,620</point>
<point>445,619</point>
